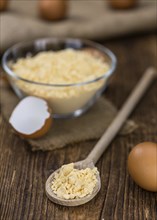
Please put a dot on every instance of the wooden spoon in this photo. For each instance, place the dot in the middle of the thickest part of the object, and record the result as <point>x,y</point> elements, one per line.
<point>104,141</point>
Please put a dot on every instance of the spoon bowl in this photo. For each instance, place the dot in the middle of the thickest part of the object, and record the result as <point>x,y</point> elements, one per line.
<point>77,201</point>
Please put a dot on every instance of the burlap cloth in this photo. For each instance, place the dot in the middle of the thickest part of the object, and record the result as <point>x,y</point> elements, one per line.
<point>89,126</point>
<point>91,19</point>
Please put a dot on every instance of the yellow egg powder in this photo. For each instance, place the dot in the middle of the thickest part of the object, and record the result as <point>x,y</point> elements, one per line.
<point>71,183</point>
<point>65,66</point>
<point>61,67</point>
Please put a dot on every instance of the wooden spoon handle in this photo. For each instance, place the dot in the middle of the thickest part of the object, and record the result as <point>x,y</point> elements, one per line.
<point>122,115</point>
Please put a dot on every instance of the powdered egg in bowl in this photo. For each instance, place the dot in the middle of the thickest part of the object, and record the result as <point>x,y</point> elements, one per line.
<point>69,73</point>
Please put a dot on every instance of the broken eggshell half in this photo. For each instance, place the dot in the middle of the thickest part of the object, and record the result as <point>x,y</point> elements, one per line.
<point>31,118</point>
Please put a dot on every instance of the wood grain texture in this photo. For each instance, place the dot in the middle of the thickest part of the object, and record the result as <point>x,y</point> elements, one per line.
<point>23,173</point>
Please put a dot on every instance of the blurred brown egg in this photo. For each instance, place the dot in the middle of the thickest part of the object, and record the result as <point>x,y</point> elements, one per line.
<point>142,165</point>
<point>3,5</point>
<point>53,9</point>
<point>123,4</point>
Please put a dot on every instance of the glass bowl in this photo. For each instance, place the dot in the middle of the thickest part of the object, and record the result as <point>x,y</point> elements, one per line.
<point>65,99</point>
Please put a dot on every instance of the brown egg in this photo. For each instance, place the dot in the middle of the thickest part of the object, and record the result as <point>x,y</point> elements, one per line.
<point>53,10</point>
<point>142,165</point>
<point>31,118</point>
<point>123,4</point>
<point>3,5</point>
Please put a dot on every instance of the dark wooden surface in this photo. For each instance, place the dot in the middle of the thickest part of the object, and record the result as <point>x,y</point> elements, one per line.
<point>23,173</point>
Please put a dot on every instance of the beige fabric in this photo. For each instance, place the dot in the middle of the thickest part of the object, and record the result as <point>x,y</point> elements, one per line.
<point>91,19</point>
<point>63,132</point>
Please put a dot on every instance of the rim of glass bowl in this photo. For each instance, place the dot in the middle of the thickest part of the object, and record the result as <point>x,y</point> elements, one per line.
<point>98,46</point>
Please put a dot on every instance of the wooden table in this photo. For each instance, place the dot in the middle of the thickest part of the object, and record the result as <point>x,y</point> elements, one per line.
<point>23,173</point>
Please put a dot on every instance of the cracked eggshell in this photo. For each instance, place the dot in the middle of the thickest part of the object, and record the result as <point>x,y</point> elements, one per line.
<point>31,118</point>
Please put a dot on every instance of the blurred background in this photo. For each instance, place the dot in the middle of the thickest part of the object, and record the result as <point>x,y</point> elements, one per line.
<point>23,20</point>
